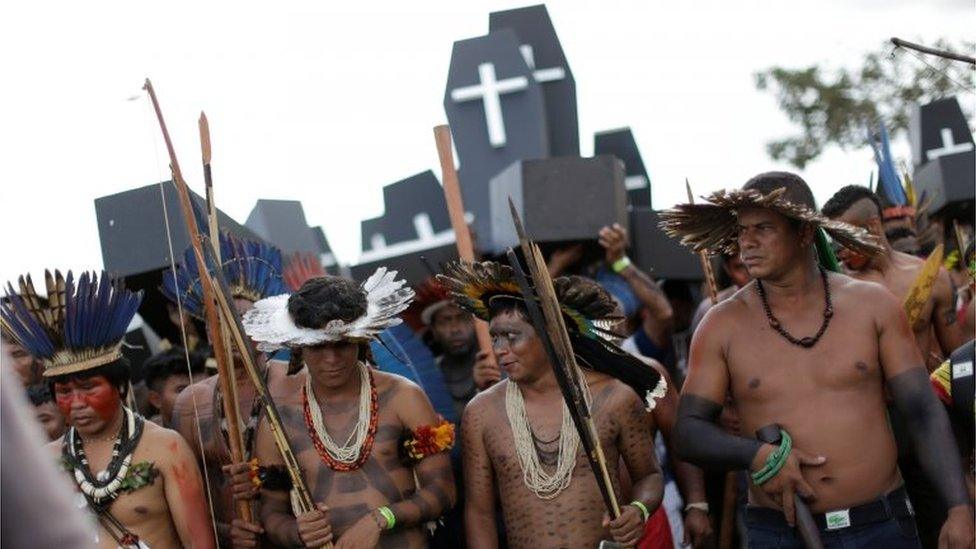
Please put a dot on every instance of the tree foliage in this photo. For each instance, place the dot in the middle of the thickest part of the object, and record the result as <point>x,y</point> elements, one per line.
<point>837,105</point>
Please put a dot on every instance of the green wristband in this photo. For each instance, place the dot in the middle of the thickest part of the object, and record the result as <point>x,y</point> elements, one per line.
<point>620,265</point>
<point>775,461</point>
<point>389,516</point>
<point>642,507</point>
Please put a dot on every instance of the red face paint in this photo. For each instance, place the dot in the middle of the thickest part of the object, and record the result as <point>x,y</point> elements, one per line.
<point>854,261</point>
<point>95,394</point>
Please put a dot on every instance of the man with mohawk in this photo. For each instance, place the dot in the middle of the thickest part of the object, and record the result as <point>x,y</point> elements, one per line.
<point>140,480</point>
<point>519,438</point>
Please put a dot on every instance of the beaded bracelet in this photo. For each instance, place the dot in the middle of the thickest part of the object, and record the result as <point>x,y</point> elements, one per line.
<point>774,461</point>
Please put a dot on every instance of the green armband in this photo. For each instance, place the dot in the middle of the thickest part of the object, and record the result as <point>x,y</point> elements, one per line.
<point>775,460</point>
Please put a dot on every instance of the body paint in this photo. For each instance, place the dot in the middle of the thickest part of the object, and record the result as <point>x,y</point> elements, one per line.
<point>95,393</point>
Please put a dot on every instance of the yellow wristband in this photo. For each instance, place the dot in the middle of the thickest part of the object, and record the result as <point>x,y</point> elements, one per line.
<point>621,264</point>
<point>643,509</point>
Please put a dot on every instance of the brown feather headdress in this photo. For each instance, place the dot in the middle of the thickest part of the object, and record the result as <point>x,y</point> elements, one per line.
<point>711,226</point>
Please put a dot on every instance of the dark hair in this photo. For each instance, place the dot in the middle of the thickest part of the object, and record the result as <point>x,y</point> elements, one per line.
<point>797,190</point>
<point>117,373</point>
<point>847,197</point>
<point>506,303</point>
<point>326,298</point>
<point>171,362</point>
<point>39,394</point>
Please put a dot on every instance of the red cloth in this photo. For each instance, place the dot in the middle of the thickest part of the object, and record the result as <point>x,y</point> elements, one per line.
<point>657,532</point>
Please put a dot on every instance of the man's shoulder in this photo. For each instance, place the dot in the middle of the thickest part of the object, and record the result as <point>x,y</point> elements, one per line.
<point>487,398</point>
<point>198,394</point>
<point>845,286</point>
<point>161,443</point>
<point>732,307</point>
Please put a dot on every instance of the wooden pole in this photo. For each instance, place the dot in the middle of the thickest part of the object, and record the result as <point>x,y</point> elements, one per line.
<point>455,208</point>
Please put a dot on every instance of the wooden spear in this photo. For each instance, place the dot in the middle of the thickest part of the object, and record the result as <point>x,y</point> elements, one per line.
<point>230,400</point>
<point>548,321</point>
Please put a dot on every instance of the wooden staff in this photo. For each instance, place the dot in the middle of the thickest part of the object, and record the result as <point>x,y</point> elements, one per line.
<point>215,284</point>
<point>230,400</point>
<point>547,317</point>
<point>703,257</point>
<point>455,208</point>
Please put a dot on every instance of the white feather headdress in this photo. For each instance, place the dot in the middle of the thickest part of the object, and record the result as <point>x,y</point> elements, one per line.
<point>270,325</point>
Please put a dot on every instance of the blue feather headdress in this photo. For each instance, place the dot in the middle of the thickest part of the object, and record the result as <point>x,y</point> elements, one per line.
<point>252,269</point>
<point>78,327</point>
<point>893,195</point>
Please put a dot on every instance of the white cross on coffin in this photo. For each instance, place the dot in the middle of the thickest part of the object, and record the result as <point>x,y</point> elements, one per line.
<point>949,146</point>
<point>490,90</point>
<point>541,75</point>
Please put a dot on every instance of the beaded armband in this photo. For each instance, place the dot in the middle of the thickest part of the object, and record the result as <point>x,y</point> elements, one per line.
<point>426,440</point>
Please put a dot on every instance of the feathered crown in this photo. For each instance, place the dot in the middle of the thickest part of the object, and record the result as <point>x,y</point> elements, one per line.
<point>270,324</point>
<point>711,226</point>
<point>431,296</point>
<point>474,285</point>
<point>79,327</point>
<point>301,267</point>
<point>588,307</point>
<point>896,195</point>
<point>252,270</point>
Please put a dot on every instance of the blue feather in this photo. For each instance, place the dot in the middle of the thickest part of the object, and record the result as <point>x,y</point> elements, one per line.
<point>402,352</point>
<point>889,183</point>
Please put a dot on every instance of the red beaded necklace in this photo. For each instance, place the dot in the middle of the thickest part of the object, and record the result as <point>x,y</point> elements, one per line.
<point>364,452</point>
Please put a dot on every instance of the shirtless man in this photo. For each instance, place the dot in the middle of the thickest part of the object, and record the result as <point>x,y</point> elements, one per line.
<point>140,480</point>
<point>520,442</point>
<point>253,272</point>
<point>936,328</point>
<point>811,351</point>
<point>367,493</point>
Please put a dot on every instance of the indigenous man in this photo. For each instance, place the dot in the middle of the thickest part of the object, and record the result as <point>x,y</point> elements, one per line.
<point>936,329</point>
<point>139,479</point>
<point>167,374</point>
<point>897,271</point>
<point>46,411</point>
<point>27,368</point>
<point>811,352</point>
<point>368,443</point>
<point>519,438</point>
<point>253,271</point>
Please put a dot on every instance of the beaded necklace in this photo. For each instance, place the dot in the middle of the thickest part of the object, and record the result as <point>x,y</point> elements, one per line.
<point>355,451</point>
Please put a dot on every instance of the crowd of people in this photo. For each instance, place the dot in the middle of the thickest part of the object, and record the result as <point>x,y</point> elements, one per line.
<point>800,397</point>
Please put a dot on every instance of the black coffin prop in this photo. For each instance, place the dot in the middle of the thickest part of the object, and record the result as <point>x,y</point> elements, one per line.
<point>944,157</point>
<point>621,144</point>
<point>282,223</point>
<point>657,253</point>
<point>544,55</point>
<point>497,115</point>
<point>413,267</point>
<point>559,199</point>
<point>132,233</point>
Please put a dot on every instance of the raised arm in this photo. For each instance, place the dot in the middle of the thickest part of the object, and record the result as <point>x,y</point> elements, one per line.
<point>479,479</point>
<point>928,424</point>
<point>657,323</point>
<point>185,494</point>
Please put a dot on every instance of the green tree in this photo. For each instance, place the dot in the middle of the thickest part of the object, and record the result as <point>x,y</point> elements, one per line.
<point>837,105</point>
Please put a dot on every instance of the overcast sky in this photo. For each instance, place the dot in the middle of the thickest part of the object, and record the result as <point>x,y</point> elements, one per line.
<point>326,102</point>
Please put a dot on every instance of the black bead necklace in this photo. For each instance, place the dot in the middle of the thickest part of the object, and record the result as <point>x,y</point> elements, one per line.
<point>805,342</point>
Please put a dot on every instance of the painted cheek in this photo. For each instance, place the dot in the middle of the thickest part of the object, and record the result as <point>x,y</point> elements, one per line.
<point>104,400</point>
<point>64,403</point>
